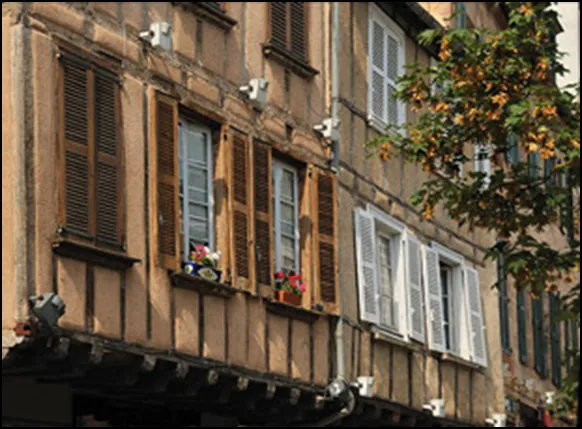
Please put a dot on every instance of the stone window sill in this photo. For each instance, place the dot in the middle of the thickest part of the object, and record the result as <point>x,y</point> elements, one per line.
<point>293,312</point>
<point>288,60</point>
<point>93,255</point>
<point>448,357</point>
<point>380,335</point>
<point>202,285</point>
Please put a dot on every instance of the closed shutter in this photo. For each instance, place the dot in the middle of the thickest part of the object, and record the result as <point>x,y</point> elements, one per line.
<point>538,336</point>
<point>521,327</point>
<point>513,149</point>
<point>298,29</point>
<point>76,146</point>
<point>167,181</point>
<point>433,293</point>
<point>503,305</point>
<point>533,163</point>
<point>263,213</point>
<point>240,168</point>
<point>326,225</point>
<point>555,339</point>
<point>366,261</point>
<point>279,24</point>
<point>473,304</point>
<point>377,67</point>
<point>107,163</point>
<point>414,288</point>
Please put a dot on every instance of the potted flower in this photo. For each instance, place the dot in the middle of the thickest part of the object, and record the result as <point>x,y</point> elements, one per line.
<point>289,288</point>
<point>203,263</point>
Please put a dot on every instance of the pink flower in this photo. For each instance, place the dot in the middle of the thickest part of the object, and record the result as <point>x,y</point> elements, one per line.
<point>302,287</point>
<point>199,247</point>
<point>279,275</point>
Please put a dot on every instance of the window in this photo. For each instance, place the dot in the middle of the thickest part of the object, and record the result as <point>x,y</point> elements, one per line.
<point>555,339</point>
<point>521,327</point>
<point>386,280</point>
<point>533,165</point>
<point>93,204</point>
<point>461,14</point>
<point>385,64</point>
<point>503,304</point>
<point>448,307</point>
<point>196,193</point>
<point>512,154</point>
<point>285,204</point>
<point>537,306</point>
<point>483,163</point>
<point>549,171</point>
<point>288,28</point>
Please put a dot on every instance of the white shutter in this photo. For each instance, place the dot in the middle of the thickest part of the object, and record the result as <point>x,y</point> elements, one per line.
<point>366,257</point>
<point>414,288</point>
<point>377,71</point>
<point>473,304</point>
<point>433,294</point>
<point>483,162</point>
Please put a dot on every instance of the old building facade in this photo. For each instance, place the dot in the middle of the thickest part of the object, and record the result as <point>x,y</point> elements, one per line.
<point>120,156</point>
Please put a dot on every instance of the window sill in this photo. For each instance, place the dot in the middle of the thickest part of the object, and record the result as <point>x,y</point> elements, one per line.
<point>287,59</point>
<point>448,357</point>
<point>201,285</point>
<point>93,255</point>
<point>380,335</point>
<point>211,14</point>
<point>294,312</point>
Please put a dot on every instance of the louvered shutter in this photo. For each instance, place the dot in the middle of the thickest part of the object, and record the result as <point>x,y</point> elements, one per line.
<point>240,168</point>
<point>521,327</point>
<point>298,29</point>
<point>279,24</point>
<point>503,305</point>
<point>433,294</point>
<point>107,177</point>
<point>539,339</point>
<point>555,340</point>
<point>513,149</point>
<point>377,64</point>
<point>326,225</point>
<point>414,288</point>
<point>76,146</point>
<point>263,213</point>
<point>366,260</point>
<point>167,181</point>
<point>392,68</point>
<point>473,304</point>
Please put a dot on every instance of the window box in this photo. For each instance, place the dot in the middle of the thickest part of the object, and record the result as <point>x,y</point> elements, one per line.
<point>288,297</point>
<point>201,285</point>
<point>204,271</point>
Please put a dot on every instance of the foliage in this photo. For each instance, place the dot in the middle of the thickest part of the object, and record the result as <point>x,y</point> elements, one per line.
<point>203,256</point>
<point>290,282</point>
<point>494,90</point>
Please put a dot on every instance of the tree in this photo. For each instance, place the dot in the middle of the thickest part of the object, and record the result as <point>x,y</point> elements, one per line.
<point>492,93</point>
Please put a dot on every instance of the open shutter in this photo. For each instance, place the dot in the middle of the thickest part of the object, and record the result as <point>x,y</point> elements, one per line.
<point>240,162</point>
<point>433,294</point>
<point>263,213</point>
<point>76,146</point>
<point>366,258</point>
<point>279,24</point>
<point>298,29</point>
<point>108,169</point>
<point>377,67</point>
<point>521,327</point>
<point>555,339</point>
<point>326,229</point>
<point>414,288</point>
<point>473,304</point>
<point>168,181</point>
<point>392,71</point>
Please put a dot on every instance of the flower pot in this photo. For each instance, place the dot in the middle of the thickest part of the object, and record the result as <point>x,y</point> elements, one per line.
<point>288,297</point>
<point>204,271</point>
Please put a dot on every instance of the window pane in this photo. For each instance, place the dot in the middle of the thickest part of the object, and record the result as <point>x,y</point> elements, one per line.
<point>199,230</point>
<point>288,229</point>
<point>197,178</point>
<point>287,185</point>
<point>287,213</point>
<point>198,195</point>
<point>197,150</point>
<point>198,211</point>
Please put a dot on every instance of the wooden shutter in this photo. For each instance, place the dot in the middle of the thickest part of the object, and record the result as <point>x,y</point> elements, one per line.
<point>473,305</point>
<point>108,171</point>
<point>240,190</point>
<point>461,14</point>
<point>434,300</point>
<point>263,214</point>
<point>521,327</point>
<point>366,260</point>
<point>555,340</point>
<point>167,181</point>
<point>279,24</point>
<point>513,149</point>
<point>377,67</point>
<point>326,230</point>
<point>297,29</point>
<point>503,305</point>
<point>538,336</point>
<point>414,288</point>
<point>76,141</point>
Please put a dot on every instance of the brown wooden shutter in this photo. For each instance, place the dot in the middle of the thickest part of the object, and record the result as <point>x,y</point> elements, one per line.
<point>108,171</point>
<point>263,214</point>
<point>279,24</point>
<point>326,231</point>
<point>75,98</point>
<point>168,181</point>
<point>240,189</point>
<point>298,29</point>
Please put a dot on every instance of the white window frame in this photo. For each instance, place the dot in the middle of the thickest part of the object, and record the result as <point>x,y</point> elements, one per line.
<point>278,168</point>
<point>390,28</point>
<point>483,165</point>
<point>188,125</point>
<point>382,236</point>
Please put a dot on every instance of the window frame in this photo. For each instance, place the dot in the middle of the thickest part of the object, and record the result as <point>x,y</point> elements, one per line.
<point>277,168</point>
<point>183,160</point>
<point>483,165</point>
<point>393,246</point>
<point>391,28</point>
